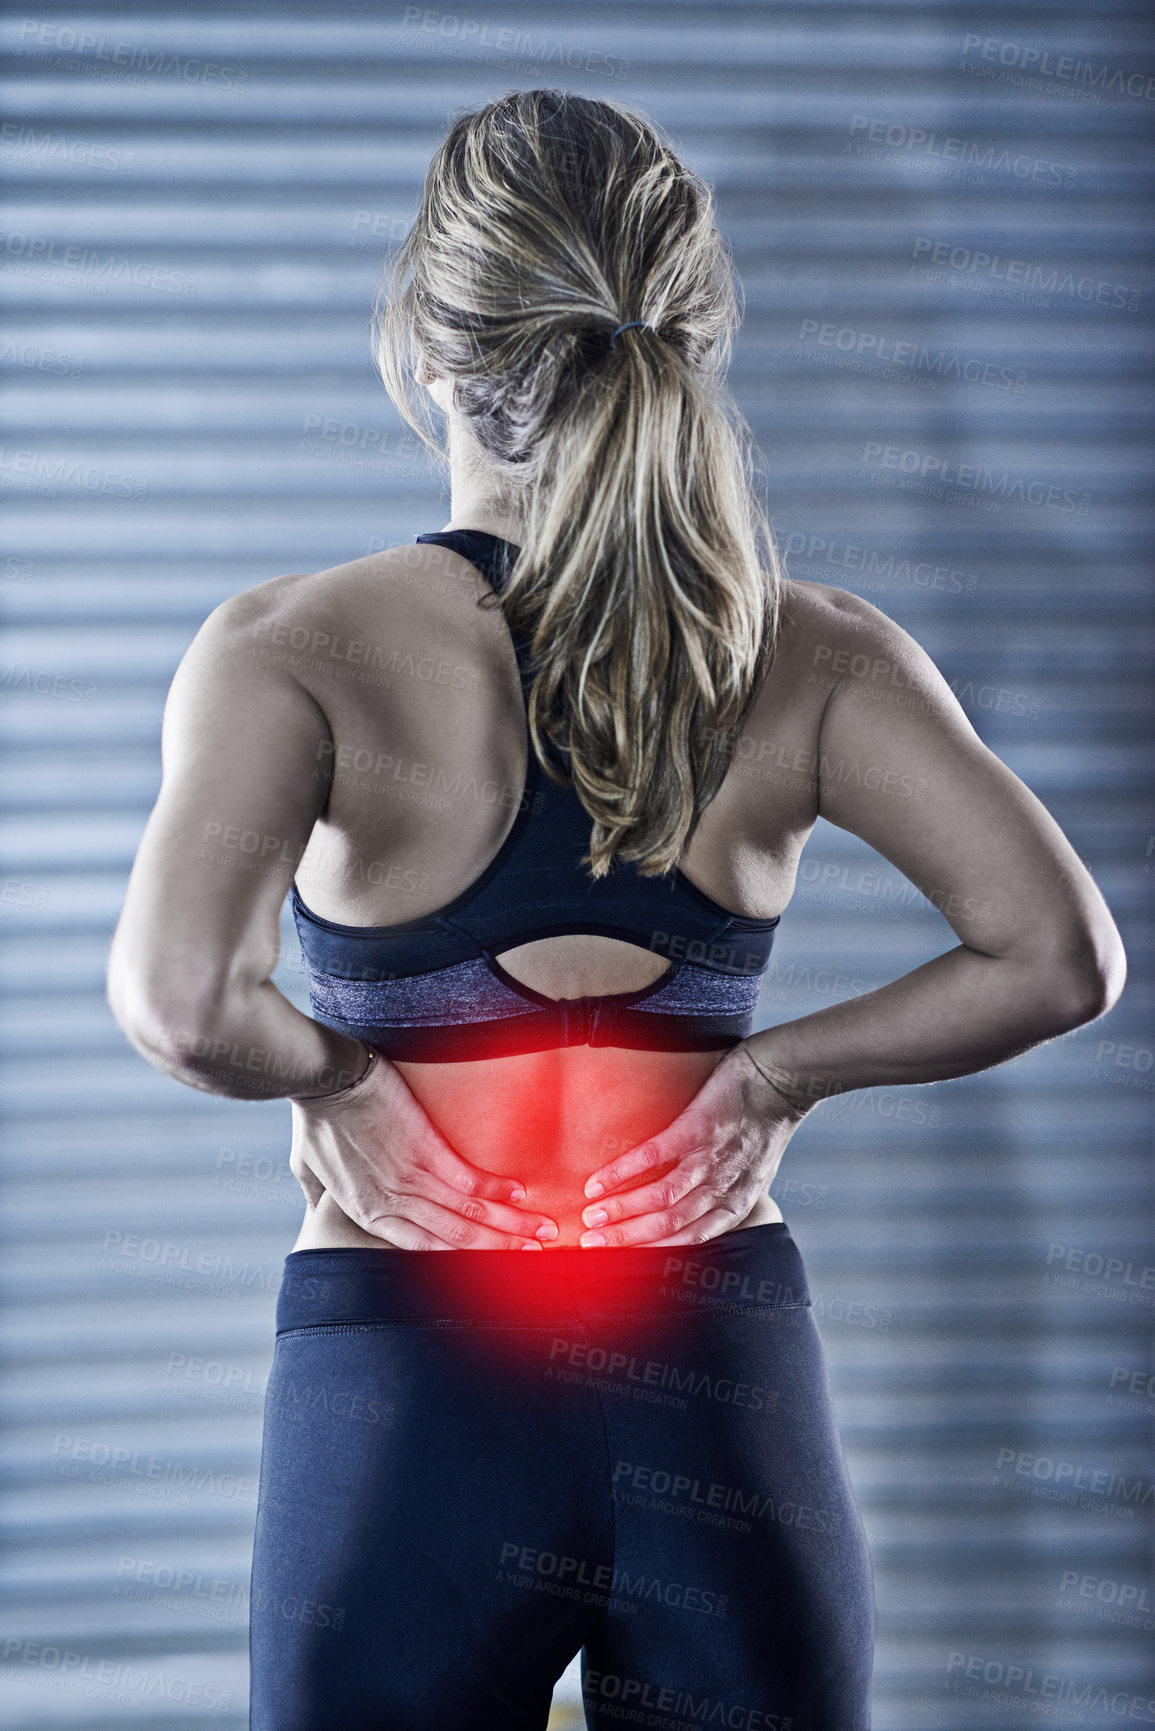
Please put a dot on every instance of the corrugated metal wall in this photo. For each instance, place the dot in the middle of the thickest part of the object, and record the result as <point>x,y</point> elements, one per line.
<point>938,214</point>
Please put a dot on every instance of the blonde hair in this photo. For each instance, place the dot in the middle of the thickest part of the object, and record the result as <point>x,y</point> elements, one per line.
<point>647,582</point>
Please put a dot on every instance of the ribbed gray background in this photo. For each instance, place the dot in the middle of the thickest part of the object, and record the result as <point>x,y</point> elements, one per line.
<point>229,182</point>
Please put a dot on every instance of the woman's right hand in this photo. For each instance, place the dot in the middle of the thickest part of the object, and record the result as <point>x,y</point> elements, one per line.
<point>377,1153</point>
<point>705,1172</point>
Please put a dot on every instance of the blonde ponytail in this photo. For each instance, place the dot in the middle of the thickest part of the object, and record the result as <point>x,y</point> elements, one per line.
<point>647,581</point>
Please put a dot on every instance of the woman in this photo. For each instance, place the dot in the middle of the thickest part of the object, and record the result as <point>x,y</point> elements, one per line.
<point>535,937</point>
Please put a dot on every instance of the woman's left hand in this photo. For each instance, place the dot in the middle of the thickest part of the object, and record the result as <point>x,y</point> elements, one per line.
<point>717,1157</point>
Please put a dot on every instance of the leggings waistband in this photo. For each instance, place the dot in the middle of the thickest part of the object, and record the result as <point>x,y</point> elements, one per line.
<point>754,1268</point>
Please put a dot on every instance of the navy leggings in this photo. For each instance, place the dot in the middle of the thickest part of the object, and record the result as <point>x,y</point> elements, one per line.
<point>477,1462</point>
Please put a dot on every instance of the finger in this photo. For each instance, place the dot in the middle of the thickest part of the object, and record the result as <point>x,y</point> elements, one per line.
<point>458,1179</point>
<point>649,1198</point>
<point>455,1230</point>
<point>668,1147</point>
<point>471,1180</point>
<point>657,1224</point>
<point>402,1234</point>
<point>679,1224</point>
<point>646,1158</point>
<point>418,1132</point>
<point>707,1226</point>
<point>517,1222</point>
<point>420,1184</point>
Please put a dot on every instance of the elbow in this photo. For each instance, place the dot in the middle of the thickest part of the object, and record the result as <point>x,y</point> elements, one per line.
<point>168,1035</point>
<point>180,1042</point>
<point>166,1023</point>
<point>1087,981</point>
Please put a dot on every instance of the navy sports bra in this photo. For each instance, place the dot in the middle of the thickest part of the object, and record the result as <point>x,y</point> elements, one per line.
<point>432,989</point>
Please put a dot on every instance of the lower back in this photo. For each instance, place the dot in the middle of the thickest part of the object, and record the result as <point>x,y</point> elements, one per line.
<point>549,1119</point>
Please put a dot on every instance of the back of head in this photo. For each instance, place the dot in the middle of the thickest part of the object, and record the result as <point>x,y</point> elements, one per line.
<point>647,579</point>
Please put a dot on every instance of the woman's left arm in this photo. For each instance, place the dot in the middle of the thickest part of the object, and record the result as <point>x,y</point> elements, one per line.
<point>898,765</point>
<point>245,777</point>
<point>247,762</point>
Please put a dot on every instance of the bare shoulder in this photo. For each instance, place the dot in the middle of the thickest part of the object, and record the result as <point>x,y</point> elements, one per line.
<point>818,622</point>
<point>834,640</point>
<point>349,626</point>
<point>395,583</point>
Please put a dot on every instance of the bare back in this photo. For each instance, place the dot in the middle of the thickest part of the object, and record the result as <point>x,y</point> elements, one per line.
<point>420,689</point>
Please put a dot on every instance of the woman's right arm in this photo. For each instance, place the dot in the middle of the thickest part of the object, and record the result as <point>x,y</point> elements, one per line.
<point>897,764</point>
<point>900,766</point>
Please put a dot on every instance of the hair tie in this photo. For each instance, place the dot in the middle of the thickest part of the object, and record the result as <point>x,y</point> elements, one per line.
<point>633,325</point>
